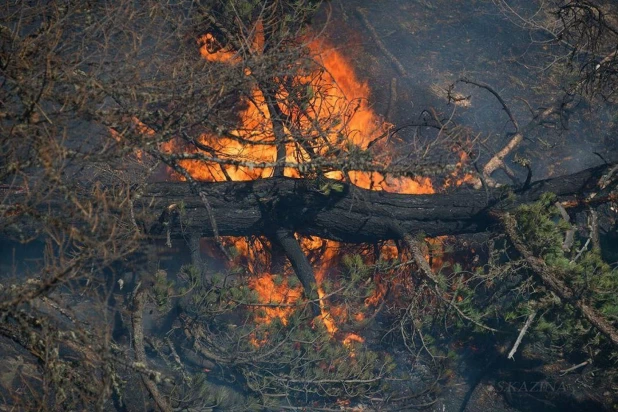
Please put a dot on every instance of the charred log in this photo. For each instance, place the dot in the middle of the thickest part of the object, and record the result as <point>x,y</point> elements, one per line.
<point>351,215</point>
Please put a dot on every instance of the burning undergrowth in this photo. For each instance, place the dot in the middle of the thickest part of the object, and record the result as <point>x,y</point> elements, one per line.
<point>262,334</point>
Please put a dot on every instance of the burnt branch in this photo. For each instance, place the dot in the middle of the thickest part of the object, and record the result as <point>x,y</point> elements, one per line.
<point>286,240</point>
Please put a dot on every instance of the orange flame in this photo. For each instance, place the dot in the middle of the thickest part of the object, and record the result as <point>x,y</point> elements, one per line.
<point>456,179</point>
<point>280,295</point>
<point>338,100</point>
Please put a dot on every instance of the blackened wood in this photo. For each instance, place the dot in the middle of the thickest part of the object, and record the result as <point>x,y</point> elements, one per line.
<point>285,238</point>
<point>351,215</point>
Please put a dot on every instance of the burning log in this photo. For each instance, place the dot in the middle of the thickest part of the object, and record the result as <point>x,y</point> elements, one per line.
<point>352,215</point>
<point>280,207</point>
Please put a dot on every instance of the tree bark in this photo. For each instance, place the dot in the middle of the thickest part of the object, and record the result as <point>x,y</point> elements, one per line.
<point>351,215</point>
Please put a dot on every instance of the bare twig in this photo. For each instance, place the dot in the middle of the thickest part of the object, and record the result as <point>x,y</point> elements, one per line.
<point>569,237</point>
<point>521,335</point>
<point>594,229</point>
<point>581,365</point>
<point>579,253</point>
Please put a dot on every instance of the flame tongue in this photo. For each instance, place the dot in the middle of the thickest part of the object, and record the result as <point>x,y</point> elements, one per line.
<point>276,293</point>
<point>335,114</point>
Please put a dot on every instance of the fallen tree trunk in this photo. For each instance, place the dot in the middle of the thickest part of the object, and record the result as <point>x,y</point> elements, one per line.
<point>351,215</point>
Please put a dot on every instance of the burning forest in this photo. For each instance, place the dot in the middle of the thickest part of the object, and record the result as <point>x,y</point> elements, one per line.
<point>308,205</point>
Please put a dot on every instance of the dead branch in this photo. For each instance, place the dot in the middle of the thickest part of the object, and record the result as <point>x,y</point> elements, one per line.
<point>497,95</point>
<point>497,161</point>
<point>569,237</point>
<point>579,253</point>
<point>521,335</point>
<point>593,222</point>
<point>140,354</point>
<point>285,238</point>
<point>581,365</point>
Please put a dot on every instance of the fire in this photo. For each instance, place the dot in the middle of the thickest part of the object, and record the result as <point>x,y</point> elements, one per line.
<point>378,294</point>
<point>364,125</point>
<point>456,178</point>
<point>141,128</point>
<point>435,246</point>
<point>278,300</point>
<point>352,337</point>
<point>338,102</point>
<point>280,297</point>
<point>328,258</point>
<point>210,50</point>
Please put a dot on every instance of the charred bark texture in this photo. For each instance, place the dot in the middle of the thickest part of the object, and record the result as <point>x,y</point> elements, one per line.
<point>351,215</point>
